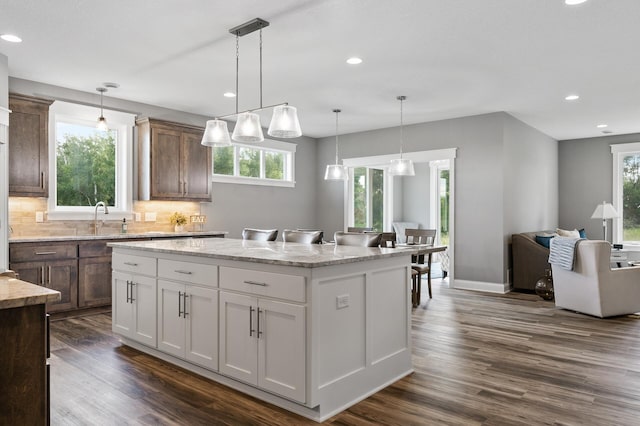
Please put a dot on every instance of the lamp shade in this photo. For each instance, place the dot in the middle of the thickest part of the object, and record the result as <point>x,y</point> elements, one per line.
<point>284,122</point>
<point>604,211</point>
<point>102,124</point>
<point>216,134</point>
<point>401,167</point>
<point>336,172</point>
<point>248,128</point>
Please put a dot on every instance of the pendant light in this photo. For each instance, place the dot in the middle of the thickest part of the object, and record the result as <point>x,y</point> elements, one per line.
<point>401,166</point>
<point>336,171</point>
<point>284,122</point>
<point>102,122</point>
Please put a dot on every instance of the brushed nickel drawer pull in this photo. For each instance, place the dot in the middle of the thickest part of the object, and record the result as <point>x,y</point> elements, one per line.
<point>255,283</point>
<point>43,253</point>
<point>130,264</point>
<point>180,271</point>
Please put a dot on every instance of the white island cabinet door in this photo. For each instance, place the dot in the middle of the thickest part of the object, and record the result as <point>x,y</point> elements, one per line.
<point>122,308</point>
<point>202,326</point>
<point>281,349</point>
<point>144,301</point>
<point>171,324</point>
<point>238,342</point>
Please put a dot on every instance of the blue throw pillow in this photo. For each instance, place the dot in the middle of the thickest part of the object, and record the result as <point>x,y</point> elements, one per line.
<point>583,233</point>
<point>544,241</point>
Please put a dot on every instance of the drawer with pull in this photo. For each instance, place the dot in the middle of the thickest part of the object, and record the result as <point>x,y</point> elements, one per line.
<point>136,264</point>
<point>33,252</point>
<point>281,286</point>
<point>194,273</point>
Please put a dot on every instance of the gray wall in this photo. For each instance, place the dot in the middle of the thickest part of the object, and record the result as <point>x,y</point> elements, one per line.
<point>415,205</point>
<point>234,206</point>
<point>4,169</point>
<point>484,192</point>
<point>586,179</point>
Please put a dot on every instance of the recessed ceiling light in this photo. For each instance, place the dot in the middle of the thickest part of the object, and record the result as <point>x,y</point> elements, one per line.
<point>571,98</point>
<point>354,61</point>
<point>229,95</point>
<point>574,2</point>
<point>602,126</point>
<point>11,38</point>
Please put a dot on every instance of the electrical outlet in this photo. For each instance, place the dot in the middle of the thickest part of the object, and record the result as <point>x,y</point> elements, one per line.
<point>150,217</point>
<point>138,217</point>
<point>342,301</point>
<point>39,217</point>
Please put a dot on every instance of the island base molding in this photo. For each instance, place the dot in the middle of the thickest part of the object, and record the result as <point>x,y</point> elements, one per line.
<point>357,388</point>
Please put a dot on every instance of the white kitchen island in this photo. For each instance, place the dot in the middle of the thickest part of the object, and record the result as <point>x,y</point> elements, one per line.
<point>310,328</point>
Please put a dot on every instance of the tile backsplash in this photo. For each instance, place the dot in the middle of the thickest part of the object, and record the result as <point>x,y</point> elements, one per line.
<point>24,210</point>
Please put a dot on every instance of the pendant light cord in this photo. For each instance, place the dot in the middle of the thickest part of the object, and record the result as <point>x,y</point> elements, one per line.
<point>260,67</point>
<point>101,109</point>
<point>401,98</point>
<point>337,111</point>
<point>237,66</point>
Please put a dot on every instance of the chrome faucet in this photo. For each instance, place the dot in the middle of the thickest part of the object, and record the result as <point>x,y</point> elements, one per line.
<point>95,215</point>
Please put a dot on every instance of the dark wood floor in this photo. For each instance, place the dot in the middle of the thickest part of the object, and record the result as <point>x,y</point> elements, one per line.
<point>479,360</point>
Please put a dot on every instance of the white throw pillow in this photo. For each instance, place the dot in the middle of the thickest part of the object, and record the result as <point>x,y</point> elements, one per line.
<point>571,234</point>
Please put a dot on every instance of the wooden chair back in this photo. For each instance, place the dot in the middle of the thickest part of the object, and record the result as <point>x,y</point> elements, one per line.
<point>358,229</point>
<point>388,240</point>
<point>420,236</point>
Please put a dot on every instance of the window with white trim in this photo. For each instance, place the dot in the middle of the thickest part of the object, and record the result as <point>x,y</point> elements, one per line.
<point>268,163</point>
<point>626,192</point>
<point>87,165</point>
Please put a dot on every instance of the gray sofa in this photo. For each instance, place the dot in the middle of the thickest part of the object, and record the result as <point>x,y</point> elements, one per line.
<point>529,260</point>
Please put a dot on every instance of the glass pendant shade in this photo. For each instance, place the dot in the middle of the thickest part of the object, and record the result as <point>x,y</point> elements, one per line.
<point>401,167</point>
<point>102,124</point>
<point>335,172</point>
<point>216,134</point>
<point>248,128</point>
<point>284,123</point>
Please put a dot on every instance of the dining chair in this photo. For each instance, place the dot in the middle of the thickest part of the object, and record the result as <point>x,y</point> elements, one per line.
<point>259,234</point>
<point>388,240</point>
<point>299,236</point>
<point>361,239</point>
<point>358,229</point>
<point>423,237</point>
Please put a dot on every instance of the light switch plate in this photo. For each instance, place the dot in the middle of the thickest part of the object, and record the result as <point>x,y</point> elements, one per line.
<point>39,217</point>
<point>138,217</point>
<point>150,217</point>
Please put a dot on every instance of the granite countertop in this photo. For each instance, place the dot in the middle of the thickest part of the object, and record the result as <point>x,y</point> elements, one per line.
<point>271,252</point>
<point>15,293</point>
<point>60,238</point>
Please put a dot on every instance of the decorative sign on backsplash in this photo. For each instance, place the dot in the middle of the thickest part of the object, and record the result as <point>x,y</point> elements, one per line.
<point>198,220</point>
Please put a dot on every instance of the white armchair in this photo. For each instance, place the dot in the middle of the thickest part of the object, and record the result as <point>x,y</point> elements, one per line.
<point>593,287</point>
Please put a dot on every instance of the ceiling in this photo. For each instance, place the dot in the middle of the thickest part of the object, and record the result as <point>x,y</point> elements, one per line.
<point>451,58</point>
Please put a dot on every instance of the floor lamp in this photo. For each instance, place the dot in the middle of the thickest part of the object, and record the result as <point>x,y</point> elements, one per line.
<point>604,211</point>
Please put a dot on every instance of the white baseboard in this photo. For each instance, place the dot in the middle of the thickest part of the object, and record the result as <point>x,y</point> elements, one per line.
<point>488,287</point>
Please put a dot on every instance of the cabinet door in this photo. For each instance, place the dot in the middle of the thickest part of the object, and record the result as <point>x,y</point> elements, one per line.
<point>121,308</point>
<point>28,154</point>
<point>196,167</point>
<point>62,275</point>
<point>171,324</point>
<point>94,281</point>
<point>281,349</point>
<point>202,326</point>
<point>166,147</point>
<point>144,311</point>
<point>238,342</point>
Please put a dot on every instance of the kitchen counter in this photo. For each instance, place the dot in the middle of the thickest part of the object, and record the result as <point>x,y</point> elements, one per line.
<point>311,328</point>
<point>45,238</point>
<point>270,252</point>
<point>15,293</point>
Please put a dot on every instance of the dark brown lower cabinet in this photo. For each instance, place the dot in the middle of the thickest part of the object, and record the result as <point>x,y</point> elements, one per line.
<point>60,275</point>
<point>23,376</point>
<point>94,281</point>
